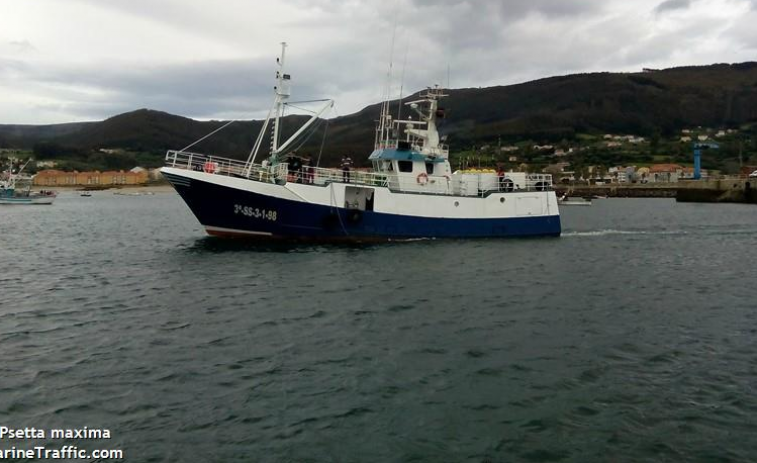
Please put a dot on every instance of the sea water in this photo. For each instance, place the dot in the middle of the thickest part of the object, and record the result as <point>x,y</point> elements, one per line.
<point>633,337</point>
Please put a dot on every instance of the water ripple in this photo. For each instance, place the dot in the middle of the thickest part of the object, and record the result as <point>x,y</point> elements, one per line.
<point>631,339</point>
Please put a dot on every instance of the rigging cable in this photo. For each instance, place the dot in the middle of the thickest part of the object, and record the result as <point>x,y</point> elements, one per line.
<point>208,135</point>
<point>402,84</point>
<point>323,142</point>
<point>305,139</point>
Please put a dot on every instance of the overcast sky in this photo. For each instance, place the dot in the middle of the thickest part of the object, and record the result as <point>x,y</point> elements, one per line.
<point>80,60</point>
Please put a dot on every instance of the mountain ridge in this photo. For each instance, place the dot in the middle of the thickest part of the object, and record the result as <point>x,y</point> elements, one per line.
<point>547,109</point>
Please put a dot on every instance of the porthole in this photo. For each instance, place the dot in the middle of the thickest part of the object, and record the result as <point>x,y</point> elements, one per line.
<point>457,203</point>
<point>502,200</point>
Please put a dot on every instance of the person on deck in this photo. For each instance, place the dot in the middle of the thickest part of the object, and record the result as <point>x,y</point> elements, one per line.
<point>295,167</point>
<point>346,165</point>
<point>500,178</point>
<point>307,169</point>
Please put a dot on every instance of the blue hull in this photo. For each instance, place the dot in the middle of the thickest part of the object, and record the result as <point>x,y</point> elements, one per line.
<point>229,211</point>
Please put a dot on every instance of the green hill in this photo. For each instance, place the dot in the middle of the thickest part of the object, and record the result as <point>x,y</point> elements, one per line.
<point>547,110</point>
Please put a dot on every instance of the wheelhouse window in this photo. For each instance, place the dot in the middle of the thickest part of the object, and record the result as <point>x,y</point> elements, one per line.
<point>405,166</point>
<point>429,168</point>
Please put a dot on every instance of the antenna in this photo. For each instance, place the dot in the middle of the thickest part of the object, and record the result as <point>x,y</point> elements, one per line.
<point>447,52</point>
<point>402,83</point>
<point>282,93</point>
<point>384,126</point>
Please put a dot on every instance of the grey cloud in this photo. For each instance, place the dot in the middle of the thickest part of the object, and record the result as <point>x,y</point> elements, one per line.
<point>741,32</point>
<point>8,65</point>
<point>22,46</point>
<point>517,9</point>
<point>207,89</point>
<point>341,50</point>
<point>672,5</point>
<point>12,70</point>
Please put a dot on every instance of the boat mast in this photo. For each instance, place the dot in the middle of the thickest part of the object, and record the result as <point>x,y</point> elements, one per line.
<point>384,126</point>
<point>10,184</point>
<point>282,91</point>
<point>429,137</point>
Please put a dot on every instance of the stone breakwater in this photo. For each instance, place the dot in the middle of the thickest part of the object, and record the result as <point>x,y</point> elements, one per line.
<point>618,191</point>
<point>726,190</point>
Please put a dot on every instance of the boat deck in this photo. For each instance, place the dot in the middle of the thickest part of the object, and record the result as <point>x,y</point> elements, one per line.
<point>459,184</point>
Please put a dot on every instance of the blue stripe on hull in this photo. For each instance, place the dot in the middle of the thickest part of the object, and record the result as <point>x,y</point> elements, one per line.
<point>224,208</point>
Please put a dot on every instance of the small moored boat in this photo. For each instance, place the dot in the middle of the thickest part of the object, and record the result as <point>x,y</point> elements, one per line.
<point>13,194</point>
<point>564,200</point>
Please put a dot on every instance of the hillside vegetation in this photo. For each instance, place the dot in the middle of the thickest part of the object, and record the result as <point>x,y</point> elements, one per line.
<point>656,104</point>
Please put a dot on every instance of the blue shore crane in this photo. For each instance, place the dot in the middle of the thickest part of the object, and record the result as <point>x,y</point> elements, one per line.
<point>698,147</point>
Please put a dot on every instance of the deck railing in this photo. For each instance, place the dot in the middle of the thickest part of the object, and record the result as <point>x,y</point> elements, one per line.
<point>481,185</point>
<point>322,176</point>
<point>538,182</point>
<point>216,165</point>
<point>281,172</point>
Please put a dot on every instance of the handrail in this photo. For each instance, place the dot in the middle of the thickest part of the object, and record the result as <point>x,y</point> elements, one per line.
<point>482,184</point>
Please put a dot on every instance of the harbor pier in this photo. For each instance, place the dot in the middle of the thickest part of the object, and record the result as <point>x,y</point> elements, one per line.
<point>732,189</point>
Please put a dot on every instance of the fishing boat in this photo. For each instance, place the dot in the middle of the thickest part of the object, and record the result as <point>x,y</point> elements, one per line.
<point>565,200</point>
<point>13,193</point>
<point>411,191</point>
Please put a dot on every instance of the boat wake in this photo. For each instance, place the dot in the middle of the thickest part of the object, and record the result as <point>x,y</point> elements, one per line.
<point>610,232</point>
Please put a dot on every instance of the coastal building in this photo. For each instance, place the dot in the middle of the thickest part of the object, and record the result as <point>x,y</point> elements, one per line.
<point>560,152</point>
<point>687,173</point>
<point>665,173</point>
<point>60,178</point>
<point>620,174</point>
<point>557,167</point>
<point>642,174</point>
<point>560,172</point>
<point>746,170</point>
<point>46,164</point>
<point>633,139</point>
